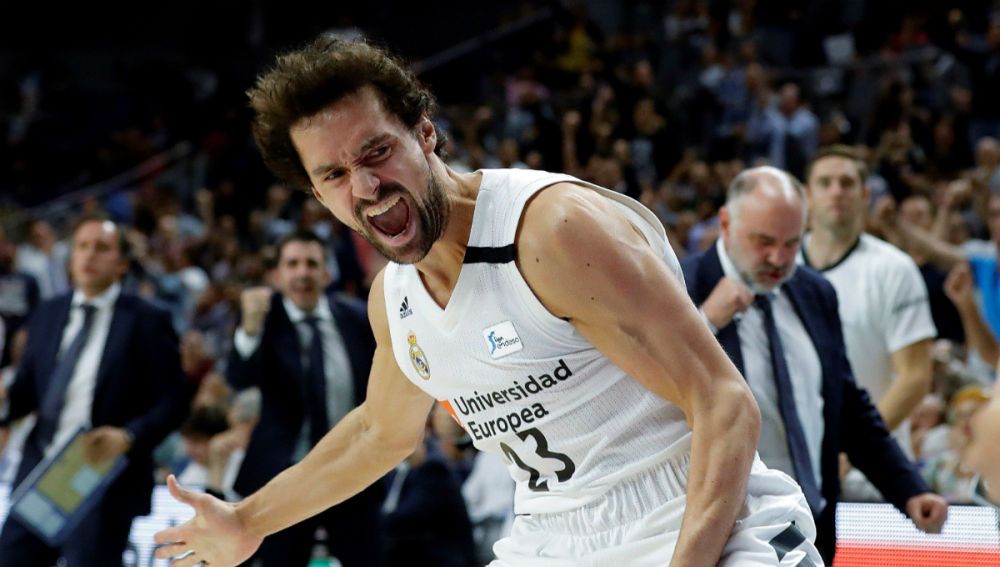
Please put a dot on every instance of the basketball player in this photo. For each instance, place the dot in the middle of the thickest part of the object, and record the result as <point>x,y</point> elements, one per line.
<point>546,314</point>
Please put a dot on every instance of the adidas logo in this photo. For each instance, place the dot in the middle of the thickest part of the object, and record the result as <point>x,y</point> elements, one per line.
<point>404,309</point>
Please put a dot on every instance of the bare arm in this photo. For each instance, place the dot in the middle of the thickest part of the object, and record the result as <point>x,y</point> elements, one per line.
<point>363,446</point>
<point>912,366</point>
<point>978,336</point>
<point>587,263</point>
<point>921,241</point>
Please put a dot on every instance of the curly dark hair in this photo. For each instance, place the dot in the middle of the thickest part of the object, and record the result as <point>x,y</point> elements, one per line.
<point>303,82</point>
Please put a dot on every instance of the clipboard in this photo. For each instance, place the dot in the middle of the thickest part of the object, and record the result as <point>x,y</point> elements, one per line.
<point>60,491</point>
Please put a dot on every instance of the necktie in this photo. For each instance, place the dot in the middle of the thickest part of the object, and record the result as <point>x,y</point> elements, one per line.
<point>316,384</point>
<point>55,394</point>
<point>786,405</point>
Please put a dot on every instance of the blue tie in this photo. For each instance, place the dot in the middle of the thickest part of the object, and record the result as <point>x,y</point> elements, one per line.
<point>786,404</point>
<point>319,423</point>
<point>55,394</point>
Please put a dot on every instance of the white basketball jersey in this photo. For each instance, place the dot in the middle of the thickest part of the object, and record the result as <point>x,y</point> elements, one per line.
<point>522,382</point>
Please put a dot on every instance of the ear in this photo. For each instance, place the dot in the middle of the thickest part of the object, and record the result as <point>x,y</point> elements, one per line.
<point>427,134</point>
<point>725,221</point>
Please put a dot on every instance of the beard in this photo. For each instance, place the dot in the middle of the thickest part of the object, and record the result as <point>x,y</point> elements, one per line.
<point>754,274</point>
<point>432,211</point>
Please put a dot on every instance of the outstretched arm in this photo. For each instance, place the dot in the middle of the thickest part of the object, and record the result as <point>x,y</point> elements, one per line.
<point>362,447</point>
<point>587,263</point>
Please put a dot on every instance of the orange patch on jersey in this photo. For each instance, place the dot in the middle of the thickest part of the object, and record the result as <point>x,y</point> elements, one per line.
<point>447,407</point>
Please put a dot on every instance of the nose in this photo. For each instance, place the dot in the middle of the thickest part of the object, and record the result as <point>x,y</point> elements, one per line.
<point>366,185</point>
<point>781,255</point>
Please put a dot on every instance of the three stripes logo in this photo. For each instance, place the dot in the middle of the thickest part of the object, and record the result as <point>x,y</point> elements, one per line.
<point>404,308</point>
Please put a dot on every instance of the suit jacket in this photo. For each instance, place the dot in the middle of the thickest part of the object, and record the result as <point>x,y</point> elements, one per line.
<point>140,387</point>
<point>276,368</point>
<point>852,423</point>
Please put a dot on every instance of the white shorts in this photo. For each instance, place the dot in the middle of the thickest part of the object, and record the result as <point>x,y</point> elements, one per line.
<point>636,524</point>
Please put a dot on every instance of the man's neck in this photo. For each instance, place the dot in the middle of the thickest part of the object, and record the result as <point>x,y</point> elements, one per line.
<point>826,247</point>
<point>440,268</point>
<point>93,293</point>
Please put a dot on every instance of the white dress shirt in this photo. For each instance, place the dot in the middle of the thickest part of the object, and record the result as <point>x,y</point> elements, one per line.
<point>80,390</point>
<point>336,364</point>
<point>804,369</point>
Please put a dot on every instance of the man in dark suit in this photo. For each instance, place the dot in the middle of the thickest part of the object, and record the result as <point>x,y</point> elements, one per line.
<point>103,359</point>
<point>780,326</point>
<point>310,354</point>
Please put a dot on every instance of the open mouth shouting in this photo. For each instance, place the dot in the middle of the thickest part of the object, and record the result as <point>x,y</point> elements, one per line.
<point>390,217</point>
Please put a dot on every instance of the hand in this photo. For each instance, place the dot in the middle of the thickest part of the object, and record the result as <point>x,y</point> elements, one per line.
<point>928,511</point>
<point>958,192</point>
<point>105,443</point>
<point>727,299</point>
<point>883,214</point>
<point>958,286</point>
<point>256,302</point>
<point>222,445</point>
<point>571,122</point>
<point>215,536</point>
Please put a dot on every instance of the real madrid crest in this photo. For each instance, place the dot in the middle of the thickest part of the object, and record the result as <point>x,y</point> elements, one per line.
<point>418,358</point>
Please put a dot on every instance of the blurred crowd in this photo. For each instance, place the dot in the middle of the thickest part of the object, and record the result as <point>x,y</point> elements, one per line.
<point>668,109</point>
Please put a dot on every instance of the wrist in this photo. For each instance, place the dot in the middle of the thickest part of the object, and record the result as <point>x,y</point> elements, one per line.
<point>244,513</point>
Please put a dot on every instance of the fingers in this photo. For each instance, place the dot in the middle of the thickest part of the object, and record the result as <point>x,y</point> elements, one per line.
<point>171,550</point>
<point>744,298</point>
<point>929,513</point>
<point>937,517</point>
<point>173,537</point>
<point>188,561</point>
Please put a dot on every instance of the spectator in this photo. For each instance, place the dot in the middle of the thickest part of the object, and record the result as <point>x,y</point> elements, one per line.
<point>101,359</point>
<point>780,326</point>
<point>19,294</point>
<point>950,474</point>
<point>44,257</point>
<point>196,432</point>
<point>981,451</point>
<point>888,329</point>
<point>310,354</point>
<point>12,439</point>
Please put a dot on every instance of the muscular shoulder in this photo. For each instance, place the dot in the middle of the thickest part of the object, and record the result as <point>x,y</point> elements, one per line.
<point>569,235</point>
<point>565,220</point>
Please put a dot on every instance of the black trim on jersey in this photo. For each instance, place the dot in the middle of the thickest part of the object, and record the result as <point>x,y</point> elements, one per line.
<point>805,257</point>
<point>489,254</point>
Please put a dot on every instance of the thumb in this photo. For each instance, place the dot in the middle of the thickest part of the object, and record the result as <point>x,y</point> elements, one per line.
<point>180,493</point>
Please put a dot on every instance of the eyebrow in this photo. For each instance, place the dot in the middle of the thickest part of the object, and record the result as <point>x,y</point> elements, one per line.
<point>365,148</point>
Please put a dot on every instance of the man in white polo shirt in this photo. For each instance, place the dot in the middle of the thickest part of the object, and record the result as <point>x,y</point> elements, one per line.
<point>884,308</point>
